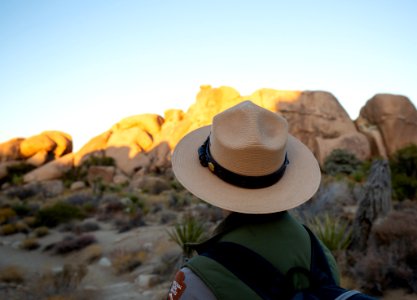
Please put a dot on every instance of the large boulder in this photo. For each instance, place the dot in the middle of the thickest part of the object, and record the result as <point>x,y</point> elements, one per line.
<point>55,143</point>
<point>176,125</point>
<point>35,144</point>
<point>62,140</point>
<point>150,123</point>
<point>53,170</point>
<point>209,102</point>
<point>103,174</point>
<point>320,122</point>
<point>10,150</point>
<point>315,117</point>
<point>96,145</point>
<point>390,122</point>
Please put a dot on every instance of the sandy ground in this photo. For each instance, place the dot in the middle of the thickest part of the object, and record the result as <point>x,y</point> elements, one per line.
<point>100,278</point>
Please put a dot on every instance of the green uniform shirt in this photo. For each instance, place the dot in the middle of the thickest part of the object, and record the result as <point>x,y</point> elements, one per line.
<point>278,237</point>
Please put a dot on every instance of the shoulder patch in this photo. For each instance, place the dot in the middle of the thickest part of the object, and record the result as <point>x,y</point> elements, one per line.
<point>178,286</point>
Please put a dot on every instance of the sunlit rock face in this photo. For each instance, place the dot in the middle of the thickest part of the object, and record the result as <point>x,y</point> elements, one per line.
<point>142,144</point>
<point>390,122</point>
<point>316,118</point>
<point>55,143</point>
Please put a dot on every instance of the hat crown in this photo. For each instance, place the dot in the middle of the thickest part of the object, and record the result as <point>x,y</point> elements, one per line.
<point>249,140</point>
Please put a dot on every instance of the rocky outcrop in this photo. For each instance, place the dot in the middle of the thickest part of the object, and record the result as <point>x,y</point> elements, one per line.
<point>142,144</point>
<point>320,122</point>
<point>36,150</point>
<point>10,150</point>
<point>390,123</point>
<point>53,170</point>
<point>55,143</point>
<point>316,118</point>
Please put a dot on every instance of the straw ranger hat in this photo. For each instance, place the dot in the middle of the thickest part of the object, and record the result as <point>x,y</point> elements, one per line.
<point>247,162</point>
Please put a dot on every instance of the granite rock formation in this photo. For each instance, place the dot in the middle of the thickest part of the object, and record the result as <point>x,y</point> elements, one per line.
<point>142,144</point>
<point>390,123</point>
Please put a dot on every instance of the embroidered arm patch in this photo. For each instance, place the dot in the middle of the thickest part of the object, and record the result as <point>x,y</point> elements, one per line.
<point>178,286</point>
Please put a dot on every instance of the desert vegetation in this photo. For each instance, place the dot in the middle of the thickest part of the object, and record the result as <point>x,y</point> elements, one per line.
<point>68,224</point>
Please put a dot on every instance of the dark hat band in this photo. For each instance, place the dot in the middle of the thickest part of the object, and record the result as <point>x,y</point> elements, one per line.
<point>249,182</point>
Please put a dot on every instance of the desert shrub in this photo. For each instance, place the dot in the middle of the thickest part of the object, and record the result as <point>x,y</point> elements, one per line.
<point>341,161</point>
<point>96,160</point>
<point>22,227</point>
<point>74,243</point>
<point>22,209</point>
<point>61,283</point>
<point>80,173</point>
<point>12,274</point>
<point>391,258</point>
<point>74,174</point>
<point>58,213</point>
<point>92,253</point>
<point>24,191</point>
<point>404,173</point>
<point>332,231</point>
<point>30,221</point>
<point>41,231</point>
<point>124,261</point>
<point>80,199</point>
<point>179,199</point>
<point>30,244</point>
<point>6,214</point>
<point>86,227</point>
<point>189,231</point>
<point>129,221</point>
<point>176,185</point>
<point>8,229</point>
<point>16,172</point>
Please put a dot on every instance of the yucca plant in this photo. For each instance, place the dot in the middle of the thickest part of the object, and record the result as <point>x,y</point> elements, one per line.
<point>189,231</point>
<point>333,232</point>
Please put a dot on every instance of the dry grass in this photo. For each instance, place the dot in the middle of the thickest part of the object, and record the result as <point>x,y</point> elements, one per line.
<point>12,274</point>
<point>92,253</point>
<point>125,261</point>
<point>30,244</point>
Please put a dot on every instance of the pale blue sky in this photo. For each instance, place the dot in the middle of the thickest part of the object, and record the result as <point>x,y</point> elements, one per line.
<point>81,66</point>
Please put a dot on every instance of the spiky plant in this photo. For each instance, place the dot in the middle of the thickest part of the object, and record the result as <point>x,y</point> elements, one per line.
<point>333,232</point>
<point>189,231</point>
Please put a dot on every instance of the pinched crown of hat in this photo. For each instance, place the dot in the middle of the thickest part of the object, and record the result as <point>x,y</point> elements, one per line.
<point>246,161</point>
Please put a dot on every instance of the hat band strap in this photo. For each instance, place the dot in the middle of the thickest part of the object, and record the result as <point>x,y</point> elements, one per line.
<point>249,182</point>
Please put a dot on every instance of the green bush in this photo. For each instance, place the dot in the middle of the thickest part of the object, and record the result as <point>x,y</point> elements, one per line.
<point>341,161</point>
<point>333,232</point>
<point>80,173</point>
<point>60,212</point>
<point>189,231</point>
<point>74,174</point>
<point>404,173</point>
<point>16,172</point>
<point>22,209</point>
<point>99,161</point>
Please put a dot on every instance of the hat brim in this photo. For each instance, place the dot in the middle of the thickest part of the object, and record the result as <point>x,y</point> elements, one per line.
<point>299,183</point>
